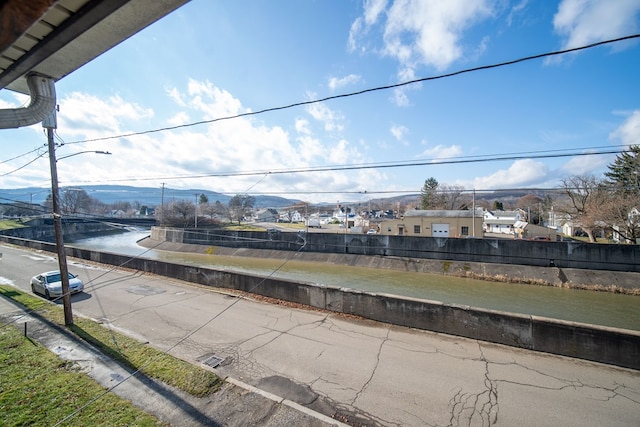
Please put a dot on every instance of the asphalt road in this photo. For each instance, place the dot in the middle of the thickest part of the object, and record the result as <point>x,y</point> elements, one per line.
<point>371,373</point>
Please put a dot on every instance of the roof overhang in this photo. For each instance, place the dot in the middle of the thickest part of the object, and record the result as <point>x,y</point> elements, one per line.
<point>56,37</point>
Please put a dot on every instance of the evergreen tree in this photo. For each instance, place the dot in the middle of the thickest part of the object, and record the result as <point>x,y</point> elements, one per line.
<point>429,198</point>
<point>623,180</point>
<point>624,172</point>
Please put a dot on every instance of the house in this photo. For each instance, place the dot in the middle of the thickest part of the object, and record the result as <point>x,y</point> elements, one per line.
<point>435,223</point>
<point>117,213</point>
<point>524,230</point>
<point>502,221</point>
<point>267,215</point>
<point>621,232</point>
<point>291,216</point>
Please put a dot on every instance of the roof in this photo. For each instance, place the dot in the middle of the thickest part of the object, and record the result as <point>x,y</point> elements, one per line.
<point>442,213</point>
<point>56,37</point>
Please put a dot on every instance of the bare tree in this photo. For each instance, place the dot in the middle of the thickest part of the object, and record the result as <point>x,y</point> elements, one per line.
<point>533,206</point>
<point>240,206</point>
<point>586,195</point>
<point>181,212</point>
<point>452,197</point>
<point>74,201</point>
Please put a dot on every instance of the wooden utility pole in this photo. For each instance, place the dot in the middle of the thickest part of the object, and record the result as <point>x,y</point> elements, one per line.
<point>50,125</point>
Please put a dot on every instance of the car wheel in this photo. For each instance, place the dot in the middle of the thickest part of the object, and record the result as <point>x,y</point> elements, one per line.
<point>33,289</point>
<point>46,294</point>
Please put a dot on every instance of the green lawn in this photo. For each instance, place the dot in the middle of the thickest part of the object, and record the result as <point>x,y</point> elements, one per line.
<point>6,224</point>
<point>38,388</point>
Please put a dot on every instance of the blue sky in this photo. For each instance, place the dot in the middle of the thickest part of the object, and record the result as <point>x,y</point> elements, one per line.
<point>209,60</point>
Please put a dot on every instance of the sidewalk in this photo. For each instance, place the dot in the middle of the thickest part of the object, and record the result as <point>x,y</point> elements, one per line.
<point>235,404</point>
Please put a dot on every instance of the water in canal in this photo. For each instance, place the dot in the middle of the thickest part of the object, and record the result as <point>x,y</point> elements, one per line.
<point>600,308</point>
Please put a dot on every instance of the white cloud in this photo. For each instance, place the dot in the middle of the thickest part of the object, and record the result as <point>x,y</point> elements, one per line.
<point>21,100</point>
<point>520,173</point>
<point>207,156</point>
<point>581,22</point>
<point>399,132</point>
<point>337,83</point>
<point>88,116</point>
<point>330,119</point>
<point>422,32</point>
<point>176,96</point>
<point>586,165</point>
<point>343,153</point>
<point>442,152</point>
<point>214,102</point>
<point>372,11</point>
<point>400,97</point>
<point>179,119</point>
<point>516,10</point>
<point>302,126</point>
<point>629,132</point>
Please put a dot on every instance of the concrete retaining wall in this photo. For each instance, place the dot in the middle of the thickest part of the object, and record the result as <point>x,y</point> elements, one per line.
<point>567,254</point>
<point>600,344</point>
<point>42,229</point>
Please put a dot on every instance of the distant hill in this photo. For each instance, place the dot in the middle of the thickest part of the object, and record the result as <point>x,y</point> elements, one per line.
<point>148,196</point>
<point>153,196</point>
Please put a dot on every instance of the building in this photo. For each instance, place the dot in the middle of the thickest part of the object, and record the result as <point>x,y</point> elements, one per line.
<point>267,215</point>
<point>435,223</point>
<point>524,230</point>
<point>502,221</point>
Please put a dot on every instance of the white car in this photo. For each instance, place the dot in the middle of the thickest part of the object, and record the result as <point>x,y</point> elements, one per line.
<point>49,284</point>
<point>371,231</point>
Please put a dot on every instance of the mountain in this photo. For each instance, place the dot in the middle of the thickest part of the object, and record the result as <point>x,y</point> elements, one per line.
<point>147,196</point>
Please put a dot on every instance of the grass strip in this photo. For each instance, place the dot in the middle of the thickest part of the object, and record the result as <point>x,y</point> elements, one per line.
<point>7,224</point>
<point>128,351</point>
<point>37,388</point>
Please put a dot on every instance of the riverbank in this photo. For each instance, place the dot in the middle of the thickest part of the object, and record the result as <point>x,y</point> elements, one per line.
<point>595,280</point>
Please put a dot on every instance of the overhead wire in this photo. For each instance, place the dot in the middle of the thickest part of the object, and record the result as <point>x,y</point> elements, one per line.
<point>364,91</point>
<point>364,166</point>
<point>335,168</point>
<point>378,88</point>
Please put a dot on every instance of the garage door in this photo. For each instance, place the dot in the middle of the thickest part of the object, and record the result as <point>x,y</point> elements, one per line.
<point>440,230</point>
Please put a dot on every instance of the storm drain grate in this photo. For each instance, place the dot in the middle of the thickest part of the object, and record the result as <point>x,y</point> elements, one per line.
<point>213,361</point>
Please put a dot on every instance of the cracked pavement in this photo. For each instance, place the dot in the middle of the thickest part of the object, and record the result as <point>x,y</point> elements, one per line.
<point>363,372</point>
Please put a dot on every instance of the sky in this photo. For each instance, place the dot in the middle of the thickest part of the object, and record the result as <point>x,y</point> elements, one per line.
<point>209,70</point>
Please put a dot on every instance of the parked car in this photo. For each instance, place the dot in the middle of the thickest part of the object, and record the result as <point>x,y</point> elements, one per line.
<point>49,284</point>
<point>371,231</point>
<point>541,238</point>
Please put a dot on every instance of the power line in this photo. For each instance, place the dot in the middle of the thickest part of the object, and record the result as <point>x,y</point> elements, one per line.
<point>379,88</point>
<point>361,166</point>
<point>361,92</point>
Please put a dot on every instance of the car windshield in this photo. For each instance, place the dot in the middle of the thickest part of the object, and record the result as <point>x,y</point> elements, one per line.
<point>53,278</point>
<point>56,277</point>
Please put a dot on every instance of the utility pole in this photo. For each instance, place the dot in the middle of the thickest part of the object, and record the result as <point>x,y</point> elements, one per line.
<point>162,207</point>
<point>196,211</point>
<point>50,125</point>
<point>473,224</point>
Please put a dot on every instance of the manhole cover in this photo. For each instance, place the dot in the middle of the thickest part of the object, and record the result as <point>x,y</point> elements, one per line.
<point>213,361</point>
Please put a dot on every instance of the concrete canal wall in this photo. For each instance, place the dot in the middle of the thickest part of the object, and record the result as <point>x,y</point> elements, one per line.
<point>600,344</point>
<point>42,229</point>
<point>566,254</point>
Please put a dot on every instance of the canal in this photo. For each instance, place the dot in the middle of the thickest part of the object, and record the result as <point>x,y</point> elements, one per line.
<point>599,308</point>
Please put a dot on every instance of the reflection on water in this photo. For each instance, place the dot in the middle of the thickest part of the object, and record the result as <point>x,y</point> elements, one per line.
<point>602,308</point>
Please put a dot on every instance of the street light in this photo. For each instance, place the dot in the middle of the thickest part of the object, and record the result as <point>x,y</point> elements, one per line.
<point>82,152</point>
<point>50,125</point>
